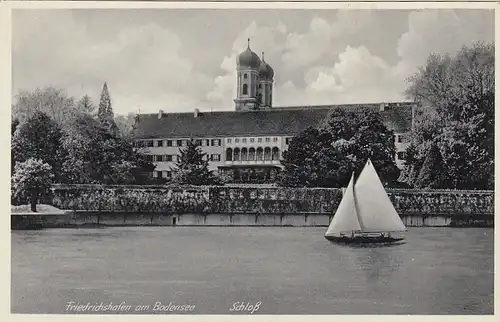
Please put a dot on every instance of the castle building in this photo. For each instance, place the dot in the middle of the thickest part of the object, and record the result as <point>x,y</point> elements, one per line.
<point>247,143</point>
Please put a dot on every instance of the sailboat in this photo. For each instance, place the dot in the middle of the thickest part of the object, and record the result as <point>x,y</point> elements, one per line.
<point>365,213</point>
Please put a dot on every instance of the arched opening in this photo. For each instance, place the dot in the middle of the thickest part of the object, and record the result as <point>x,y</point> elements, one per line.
<point>244,154</point>
<point>259,154</point>
<point>245,89</point>
<point>236,154</point>
<point>267,154</point>
<point>229,154</point>
<point>276,153</point>
<point>251,154</point>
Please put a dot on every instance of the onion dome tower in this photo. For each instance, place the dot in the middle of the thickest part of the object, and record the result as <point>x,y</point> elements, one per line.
<point>265,84</point>
<point>247,67</point>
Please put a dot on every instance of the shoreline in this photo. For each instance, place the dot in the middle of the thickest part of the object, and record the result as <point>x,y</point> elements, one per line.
<point>92,219</point>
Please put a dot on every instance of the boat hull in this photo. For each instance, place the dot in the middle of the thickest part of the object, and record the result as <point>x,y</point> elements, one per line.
<point>364,240</point>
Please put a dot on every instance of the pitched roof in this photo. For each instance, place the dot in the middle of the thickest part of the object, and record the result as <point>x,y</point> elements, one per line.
<point>274,121</point>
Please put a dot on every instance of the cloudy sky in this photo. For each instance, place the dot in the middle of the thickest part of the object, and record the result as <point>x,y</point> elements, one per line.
<point>181,59</point>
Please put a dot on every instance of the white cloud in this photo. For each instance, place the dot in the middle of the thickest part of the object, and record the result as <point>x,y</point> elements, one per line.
<point>303,49</point>
<point>330,58</point>
<point>358,77</point>
<point>441,32</point>
<point>143,66</point>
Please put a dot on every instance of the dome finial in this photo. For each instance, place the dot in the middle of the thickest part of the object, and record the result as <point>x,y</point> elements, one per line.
<point>248,43</point>
<point>262,56</point>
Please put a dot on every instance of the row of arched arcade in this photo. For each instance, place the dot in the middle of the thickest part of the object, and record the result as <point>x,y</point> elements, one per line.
<point>253,154</point>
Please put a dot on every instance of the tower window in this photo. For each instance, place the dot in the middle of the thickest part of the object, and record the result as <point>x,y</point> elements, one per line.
<point>245,76</point>
<point>245,89</point>
<point>260,85</point>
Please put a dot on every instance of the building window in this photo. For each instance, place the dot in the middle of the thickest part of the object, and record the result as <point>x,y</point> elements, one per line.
<point>204,143</point>
<point>245,89</point>
<point>245,76</point>
<point>251,154</point>
<point>244,154</point>
<point>260,85</point>
<point>236,140</point>
<point>252,140</point>
<point>215,157</point>
<point>149,143</point>
<point>228,140</point>
<point>236,154</point>
<point>159,174</point>
<point>169,174</point>
<point>169,142</point>
<point>259,140</point>
<point>267,154</point>
<point>168,157</point>
<point>275,154</point>
<point>197,142</point>
<point>288,140</point>
<point>229,154</point>
<point>259,154</point>
<point>244,140</point>
<point>179,142</point>
<point>275,139</point>
<point>159,143</point>
<point>216,142</point>
<point>402,155</point>
<point>149,157</point>
<point>268,139</point>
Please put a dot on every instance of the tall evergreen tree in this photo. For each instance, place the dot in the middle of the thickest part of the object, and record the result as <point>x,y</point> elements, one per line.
<point>192,168</point>
<point>105,111</point>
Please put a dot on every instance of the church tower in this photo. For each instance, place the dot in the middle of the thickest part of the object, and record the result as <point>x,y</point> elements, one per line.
<point>247,67</point>
<point>265,84</point>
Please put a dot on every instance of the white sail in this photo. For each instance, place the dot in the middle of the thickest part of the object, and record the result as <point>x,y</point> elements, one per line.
<point>376,212</point>
<point>345,218</point>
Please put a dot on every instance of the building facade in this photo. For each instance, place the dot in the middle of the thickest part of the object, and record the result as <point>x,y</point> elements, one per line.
<point>247,143</point>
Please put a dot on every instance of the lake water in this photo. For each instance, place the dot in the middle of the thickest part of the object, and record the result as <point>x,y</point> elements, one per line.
<point>288,270</point>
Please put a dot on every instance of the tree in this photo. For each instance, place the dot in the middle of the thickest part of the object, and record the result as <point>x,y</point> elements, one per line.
<point>457,94</point>
<point>301,161</point>
<point>192,168</point>
<point>125,124</point>
<point>39,137</point>
<point>105,111</point>
<point>52,101</point>
<point>13,128</point>
<point>85,105</point>
<point>96,155</point>
<point>31,180</point>
<point>430,176</point>
<point>327,156</point>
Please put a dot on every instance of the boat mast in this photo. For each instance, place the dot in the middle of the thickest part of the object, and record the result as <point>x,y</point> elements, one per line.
<point>356,207</point>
